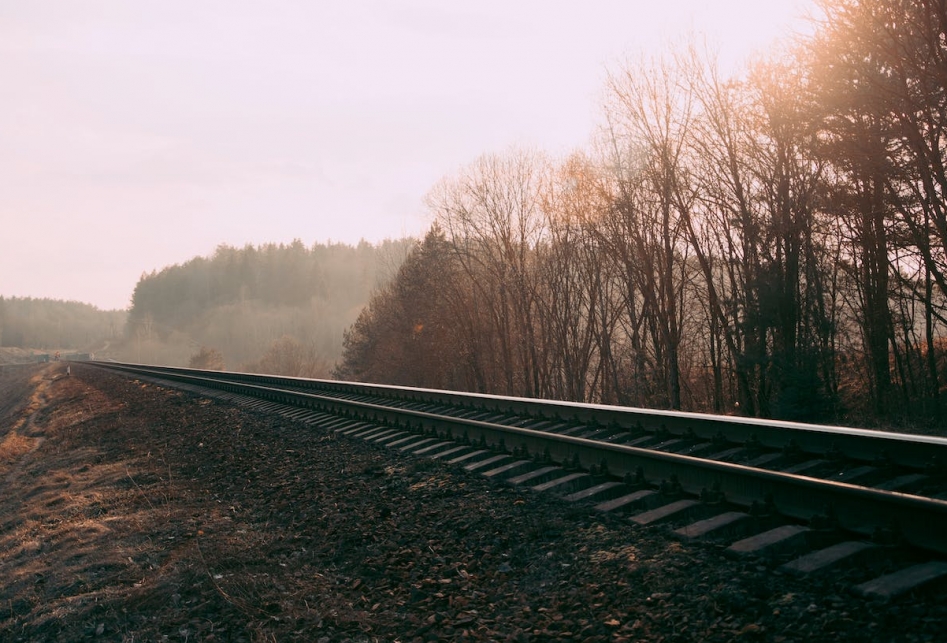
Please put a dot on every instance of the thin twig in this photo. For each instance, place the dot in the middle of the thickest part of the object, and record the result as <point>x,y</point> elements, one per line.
<point>239,604</point>
<point>140,490</point>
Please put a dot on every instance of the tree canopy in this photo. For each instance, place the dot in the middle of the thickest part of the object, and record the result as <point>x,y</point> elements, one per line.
<point>240,301</point>
<point>773,244</point>
<point>53,324</point>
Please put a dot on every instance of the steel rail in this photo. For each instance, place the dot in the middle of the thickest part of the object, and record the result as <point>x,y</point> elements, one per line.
<point>920,521</point>
<point>920,452</point>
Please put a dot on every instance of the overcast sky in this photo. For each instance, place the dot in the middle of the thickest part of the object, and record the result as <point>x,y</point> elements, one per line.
<point>138,134</point>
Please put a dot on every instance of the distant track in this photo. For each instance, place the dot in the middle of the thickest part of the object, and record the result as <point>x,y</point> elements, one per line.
<point>712,475</point>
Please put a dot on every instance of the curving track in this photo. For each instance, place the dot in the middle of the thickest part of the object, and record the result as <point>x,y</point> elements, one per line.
<point>815,497</point>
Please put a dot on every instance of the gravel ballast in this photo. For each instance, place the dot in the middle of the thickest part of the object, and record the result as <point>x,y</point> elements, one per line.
<point>133,512</point>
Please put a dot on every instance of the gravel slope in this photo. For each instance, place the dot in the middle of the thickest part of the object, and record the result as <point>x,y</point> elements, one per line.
<point>129,512</point>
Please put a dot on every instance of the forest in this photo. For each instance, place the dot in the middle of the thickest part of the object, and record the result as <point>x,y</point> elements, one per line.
<point>51,324</point>
<point>277,308</point>
<point>772,243</point>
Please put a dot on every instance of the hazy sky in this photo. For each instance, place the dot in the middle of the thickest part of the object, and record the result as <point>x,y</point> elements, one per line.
<point>135,135</point>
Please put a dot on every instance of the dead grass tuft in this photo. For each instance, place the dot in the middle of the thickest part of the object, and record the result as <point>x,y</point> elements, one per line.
<point>14,446</point>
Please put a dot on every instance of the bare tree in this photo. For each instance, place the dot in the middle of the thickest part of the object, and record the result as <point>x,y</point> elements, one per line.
<point>207,359</point>
<point>649,118</point>
<point>490,215</point>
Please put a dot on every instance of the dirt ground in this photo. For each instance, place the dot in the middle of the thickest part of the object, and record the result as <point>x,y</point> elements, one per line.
<point>130,512</point>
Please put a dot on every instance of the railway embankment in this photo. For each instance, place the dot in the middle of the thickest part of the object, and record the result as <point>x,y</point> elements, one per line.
<point>130,511</point>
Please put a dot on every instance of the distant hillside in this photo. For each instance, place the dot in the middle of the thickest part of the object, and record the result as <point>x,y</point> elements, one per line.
<point>9,355</point>
<point>52,324</point>
<point>251,305</point>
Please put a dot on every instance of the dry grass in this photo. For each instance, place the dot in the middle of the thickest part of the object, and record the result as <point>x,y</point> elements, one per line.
<point>15,446</point>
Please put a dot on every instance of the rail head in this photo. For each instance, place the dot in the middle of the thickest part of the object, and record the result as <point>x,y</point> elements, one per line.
<point>910,450</point>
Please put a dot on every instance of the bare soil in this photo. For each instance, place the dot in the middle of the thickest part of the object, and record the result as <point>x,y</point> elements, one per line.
<point>131,512</point>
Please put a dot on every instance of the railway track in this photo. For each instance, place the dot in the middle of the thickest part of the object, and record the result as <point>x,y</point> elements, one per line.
<point>808,498</point>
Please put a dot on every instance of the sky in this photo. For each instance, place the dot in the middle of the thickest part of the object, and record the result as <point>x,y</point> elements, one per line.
<point>137,135</point>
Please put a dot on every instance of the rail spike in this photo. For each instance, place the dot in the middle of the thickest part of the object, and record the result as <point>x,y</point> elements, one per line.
<point>763,509</point>
<point>712,496</point>
<point>888,535</point>
<point>671,487</point>
<point>635,480</point>
<point>827,520</point>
